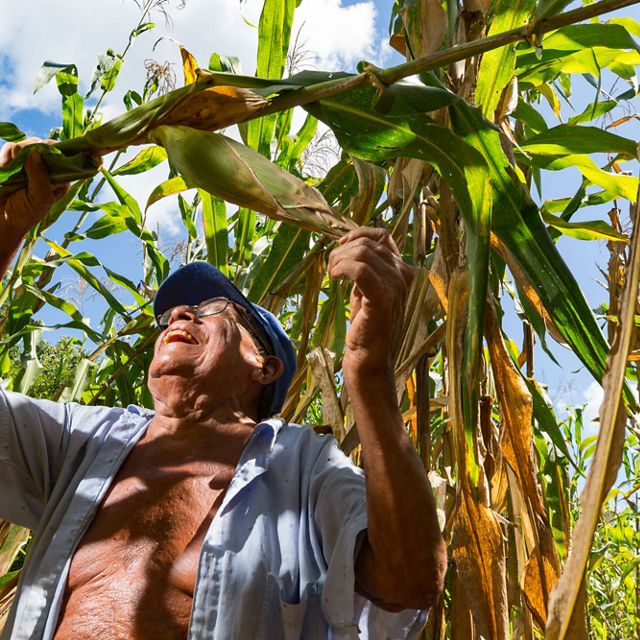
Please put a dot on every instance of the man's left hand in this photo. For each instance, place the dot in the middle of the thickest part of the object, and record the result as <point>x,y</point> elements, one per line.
<point>370,259</point>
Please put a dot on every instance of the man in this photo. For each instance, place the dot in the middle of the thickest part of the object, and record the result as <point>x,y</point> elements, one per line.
<point>203,519</point>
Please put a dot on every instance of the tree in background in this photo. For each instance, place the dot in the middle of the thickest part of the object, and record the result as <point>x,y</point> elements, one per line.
<point>444,150</point>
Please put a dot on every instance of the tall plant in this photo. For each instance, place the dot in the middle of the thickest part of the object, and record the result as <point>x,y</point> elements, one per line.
<point>446,160</point>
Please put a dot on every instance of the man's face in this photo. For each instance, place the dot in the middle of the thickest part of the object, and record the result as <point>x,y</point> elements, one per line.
<point>215,351</point>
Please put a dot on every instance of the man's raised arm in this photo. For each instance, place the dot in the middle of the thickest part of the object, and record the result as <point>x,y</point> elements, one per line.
<point>403,558</point>
<point>22,210</point>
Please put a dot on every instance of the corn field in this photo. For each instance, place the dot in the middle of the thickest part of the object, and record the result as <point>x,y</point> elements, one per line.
<point>446,150</point>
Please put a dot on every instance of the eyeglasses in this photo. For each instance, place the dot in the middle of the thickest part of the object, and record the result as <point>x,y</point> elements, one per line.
<point>212,307</point>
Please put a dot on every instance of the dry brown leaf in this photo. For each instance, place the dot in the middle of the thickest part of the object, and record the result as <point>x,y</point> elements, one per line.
<point>478,545</point>
<point>565,603</point>
<point>412,339</point>
<point>214,108</point>
<point>516,406</point>
<point>526,288</point>
<point>369,178</point>
<point>397,42</point>
<point>321,361</point>
<point>461,614</point>
<point>12,537</point>
<point>426,25</point>
<point>535,588</point>
<point>478,551</point>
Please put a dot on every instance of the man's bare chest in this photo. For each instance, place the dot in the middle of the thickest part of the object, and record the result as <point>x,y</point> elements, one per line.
<point>135,568</point>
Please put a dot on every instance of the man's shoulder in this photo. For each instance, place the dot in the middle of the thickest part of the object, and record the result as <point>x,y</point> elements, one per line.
<point>310,445</point>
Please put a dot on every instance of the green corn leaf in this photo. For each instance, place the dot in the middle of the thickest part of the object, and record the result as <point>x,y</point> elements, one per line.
<point>593,112</point>
<point>286,253</point>
<point>143,28</point>
<point>568,139</point>
<point>167,188</point>
<point>74,392</point>
<point>617,184</point>
<point>72,103</point>
<point>340,184</point>
<point>187,213</point>
<point>80,263</point>
<point>144,160</point>
<point>274,33</point>
<point>303,138</point>
<point>48,71</point>
<point>532,72</point>
<point>592,230</point>
<point>124,197</point>
<point>245,234</point>
<point>114,221</point>
<point>586,36</point>
<point>518,224</point>
<point>549,8</point>
<point>534,121</point>
<point>123,281</point>
<point>214,222</point>
<point>498,66</point>
<point>66,307</point>
<point>31,368</point>
<point>11,133</point>
<point>106,72</point>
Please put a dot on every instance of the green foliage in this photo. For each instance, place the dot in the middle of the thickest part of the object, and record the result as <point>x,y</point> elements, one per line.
<point>58,363</point>
<point>453,182</point>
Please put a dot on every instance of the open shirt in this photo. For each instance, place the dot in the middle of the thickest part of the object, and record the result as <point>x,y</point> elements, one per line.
<point>277,562</point>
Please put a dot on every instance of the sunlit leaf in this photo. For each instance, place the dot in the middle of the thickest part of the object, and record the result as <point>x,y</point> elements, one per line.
<point>143,161</point>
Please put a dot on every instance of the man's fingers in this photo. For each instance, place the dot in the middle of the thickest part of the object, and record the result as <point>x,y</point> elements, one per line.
<point>10,150</point>
<point>368,280</point>
<point>374,234</point>
<point>5,154</point>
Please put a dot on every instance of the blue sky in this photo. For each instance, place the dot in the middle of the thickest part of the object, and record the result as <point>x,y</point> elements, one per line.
<point>338,33</point>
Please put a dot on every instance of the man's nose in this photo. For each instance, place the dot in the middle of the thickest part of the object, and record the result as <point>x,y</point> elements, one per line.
<point>182,312</point>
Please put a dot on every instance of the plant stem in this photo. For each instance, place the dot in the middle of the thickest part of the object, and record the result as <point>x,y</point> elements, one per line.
<point>477,47</point>
<point>145,13</point>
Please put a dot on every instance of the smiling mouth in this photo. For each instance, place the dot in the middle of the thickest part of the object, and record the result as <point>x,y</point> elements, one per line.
<point>178,335</point>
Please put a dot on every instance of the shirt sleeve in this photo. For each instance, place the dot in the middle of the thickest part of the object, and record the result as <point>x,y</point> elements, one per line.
<point>33,440</point>
<point>340,517</point>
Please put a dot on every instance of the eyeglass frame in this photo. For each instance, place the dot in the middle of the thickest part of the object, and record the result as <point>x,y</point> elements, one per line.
<point>244,319</point>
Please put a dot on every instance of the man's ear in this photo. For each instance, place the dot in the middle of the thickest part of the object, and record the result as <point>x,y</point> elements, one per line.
<point>272,368</point>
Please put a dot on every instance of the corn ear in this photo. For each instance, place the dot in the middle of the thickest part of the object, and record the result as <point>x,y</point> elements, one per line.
<point>200,105</point>
<point>197,105</point>
<point>237,174</point>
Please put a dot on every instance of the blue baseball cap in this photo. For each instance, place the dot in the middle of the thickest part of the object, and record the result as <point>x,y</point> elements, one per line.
<point>199,281</point>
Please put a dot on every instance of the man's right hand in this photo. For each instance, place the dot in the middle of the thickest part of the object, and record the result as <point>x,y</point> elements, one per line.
<point>22,210</point>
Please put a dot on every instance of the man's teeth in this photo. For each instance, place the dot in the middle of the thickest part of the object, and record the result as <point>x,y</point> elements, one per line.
<point>178,332</point>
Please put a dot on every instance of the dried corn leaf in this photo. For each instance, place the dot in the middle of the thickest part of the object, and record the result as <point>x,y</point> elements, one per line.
<point>12,537</point>
<point>540,577</point>
<point>516,407</point>
<point>527,288</point>
<point>321,361</point>
<point>478,552</point>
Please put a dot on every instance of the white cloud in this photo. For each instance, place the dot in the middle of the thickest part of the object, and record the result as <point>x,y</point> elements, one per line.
<point>335,36</point>
<point>77,31</point>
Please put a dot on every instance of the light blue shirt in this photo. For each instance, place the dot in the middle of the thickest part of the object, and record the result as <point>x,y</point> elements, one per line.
<point>277,562</point>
